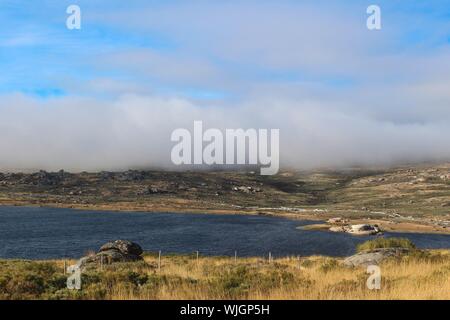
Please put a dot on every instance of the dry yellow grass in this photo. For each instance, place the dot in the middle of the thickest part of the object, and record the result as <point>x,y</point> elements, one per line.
<point>422,275</point>
<point>292,278</point>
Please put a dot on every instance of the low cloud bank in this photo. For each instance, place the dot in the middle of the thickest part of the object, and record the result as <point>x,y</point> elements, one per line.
<point>82,134</point>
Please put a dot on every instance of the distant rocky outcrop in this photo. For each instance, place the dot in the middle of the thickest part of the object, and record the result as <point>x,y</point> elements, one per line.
<point>131,175</point>
<point>44,178</point>
<point>112,252</point>
<point>246,189</point>
<point>337,221</point>
<point>374,257</point>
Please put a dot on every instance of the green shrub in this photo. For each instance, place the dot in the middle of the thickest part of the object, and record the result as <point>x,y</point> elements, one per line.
<point>237,282</point>
<point>386,243</point>
<point>136,278</point>
<point>329,265</point>
<point>21,279</point>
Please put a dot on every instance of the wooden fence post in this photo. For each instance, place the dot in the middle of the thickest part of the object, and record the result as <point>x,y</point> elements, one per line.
<point>159,261</point>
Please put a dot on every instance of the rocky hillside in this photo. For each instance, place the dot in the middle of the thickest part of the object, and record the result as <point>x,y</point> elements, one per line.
<point>421,191</point>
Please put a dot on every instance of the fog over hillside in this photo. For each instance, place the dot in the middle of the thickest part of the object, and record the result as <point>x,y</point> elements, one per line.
<point>134,131</point>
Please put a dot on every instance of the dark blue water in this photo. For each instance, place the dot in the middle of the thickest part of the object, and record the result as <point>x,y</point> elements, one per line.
<point>43,233</point>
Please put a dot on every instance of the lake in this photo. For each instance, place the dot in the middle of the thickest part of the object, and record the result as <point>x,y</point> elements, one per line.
<point>45,233</point>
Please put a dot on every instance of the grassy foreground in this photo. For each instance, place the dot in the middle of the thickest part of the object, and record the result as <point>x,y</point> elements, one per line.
<point>421,275</point>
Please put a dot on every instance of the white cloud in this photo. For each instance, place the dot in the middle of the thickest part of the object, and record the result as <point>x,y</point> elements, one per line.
<point>134,131</point>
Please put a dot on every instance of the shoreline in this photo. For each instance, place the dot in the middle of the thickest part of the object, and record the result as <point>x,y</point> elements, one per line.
<point>171,255</point>
<point>305,214</point>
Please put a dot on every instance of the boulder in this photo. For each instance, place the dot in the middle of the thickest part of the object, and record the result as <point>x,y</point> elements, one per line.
<point>357,229</point>
<point>337,229</point>
<point>112,252</point>
<point>107,257</point>
<point>363,229</point>
<point>337,221</point>
<point>123,246</point>
<point>373,257</point>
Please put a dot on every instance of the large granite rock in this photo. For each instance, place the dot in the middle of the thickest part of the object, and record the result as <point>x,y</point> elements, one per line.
<point>112,252</point>
<point>123,246</point>
<point>374,257</point>
<point>357,229</point>
<point>364,229</point>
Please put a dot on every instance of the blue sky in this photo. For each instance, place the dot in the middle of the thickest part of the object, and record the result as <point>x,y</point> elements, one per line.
<point>141,68</point>
<point>39,55</point>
